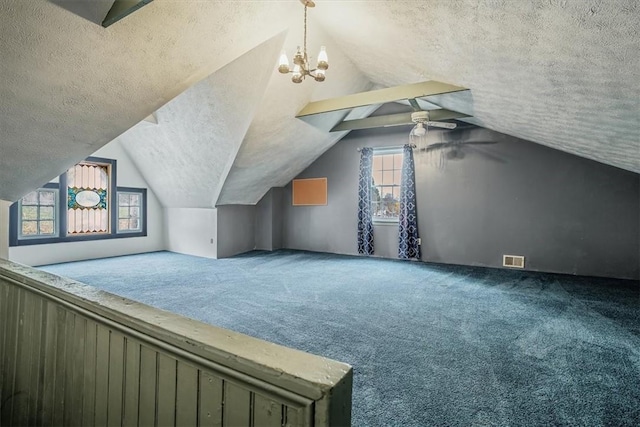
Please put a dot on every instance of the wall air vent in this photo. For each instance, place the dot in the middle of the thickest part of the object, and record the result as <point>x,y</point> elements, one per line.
<point>515,261</point>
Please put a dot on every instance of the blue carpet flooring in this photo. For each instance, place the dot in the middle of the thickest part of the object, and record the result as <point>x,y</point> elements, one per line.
<point>429,344</point>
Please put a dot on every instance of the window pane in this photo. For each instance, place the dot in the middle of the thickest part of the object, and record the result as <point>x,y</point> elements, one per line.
<point>46,212</point>
<point>29,228</point>
<point>375,206</point>
<point>29,212</point>
<point>375,195</point>
<point>396,193</point>
<point>30,199</point>
<point>377,177</point>
<point>134,212</point>
<point>123,212</point>
<point>46,227</point>
<point>377,162</point>
<point>135,199</point>
<point>123,224</point>
<point>387,177</point>
<point>134,224</point>
<point>47,197</point>
<point>123,199</point>
<point>397,177</point>
<point>386,192</point>
<point>397,161</point>
<point>385,162</point>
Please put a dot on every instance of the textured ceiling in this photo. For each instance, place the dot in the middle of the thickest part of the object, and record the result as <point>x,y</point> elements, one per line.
<point>69,86</point>
<point>187,155</point>
<point>562,73</point>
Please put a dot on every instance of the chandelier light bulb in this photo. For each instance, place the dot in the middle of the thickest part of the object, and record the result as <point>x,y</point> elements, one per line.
<point>283,65</point>
<point>323,59</point>
<point>297,74</point>
<point>418,136</point>
<point>419,130</point>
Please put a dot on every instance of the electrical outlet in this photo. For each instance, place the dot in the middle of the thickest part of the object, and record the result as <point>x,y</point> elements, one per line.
<point>419,241</point>
<point>212,241</point>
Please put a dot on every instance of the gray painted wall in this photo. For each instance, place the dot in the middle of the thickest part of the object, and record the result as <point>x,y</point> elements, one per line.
<point>264,222</point>
<point>4,229</point>
<point>236,229</point>
<point>564,213</point>
<point>269,220</point>
<point>277,194</point>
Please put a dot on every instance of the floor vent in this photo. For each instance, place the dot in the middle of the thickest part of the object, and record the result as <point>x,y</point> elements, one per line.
<point>515,261</point>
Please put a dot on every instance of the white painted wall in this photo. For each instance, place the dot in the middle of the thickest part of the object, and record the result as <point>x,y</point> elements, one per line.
<point>4,229</point>
<point>127,176</point>
<point>191,231</point>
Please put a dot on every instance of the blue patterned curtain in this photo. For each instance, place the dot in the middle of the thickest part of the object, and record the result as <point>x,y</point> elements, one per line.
<point>408,247</point>
<point>365,225</point>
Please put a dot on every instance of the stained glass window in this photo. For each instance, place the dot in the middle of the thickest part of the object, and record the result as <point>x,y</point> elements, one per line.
<point>129,212</point>
<point>385,190</point>
<point>88,193</point>
<point>84,204</point>
<point>38,214</point>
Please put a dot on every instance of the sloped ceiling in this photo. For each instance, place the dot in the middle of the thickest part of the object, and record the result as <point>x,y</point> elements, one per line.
<point>278,146</point>
<point>186,156</point>
<point>562,73</point>
<point>69,86</point>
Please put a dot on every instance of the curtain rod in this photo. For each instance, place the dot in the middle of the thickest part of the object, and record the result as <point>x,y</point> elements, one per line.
<point>388,148</point>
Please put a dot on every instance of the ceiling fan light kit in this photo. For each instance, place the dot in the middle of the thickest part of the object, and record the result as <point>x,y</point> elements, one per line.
<point>301,67</point>
<point>422,119</point>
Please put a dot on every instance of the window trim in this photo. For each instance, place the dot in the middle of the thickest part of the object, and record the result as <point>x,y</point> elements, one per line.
<point>61,226</point>
<point>38,220</point>
<point>14,222</point>
<point>143,214</point>
<point>113,171</point>
<point>378,152</point>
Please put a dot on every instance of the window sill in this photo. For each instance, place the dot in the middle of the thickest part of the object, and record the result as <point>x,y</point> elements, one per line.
<point>385,222</point>
<point>86,238</point>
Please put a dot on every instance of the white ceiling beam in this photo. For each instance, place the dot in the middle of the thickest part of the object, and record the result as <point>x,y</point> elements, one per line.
<point>380,96</point>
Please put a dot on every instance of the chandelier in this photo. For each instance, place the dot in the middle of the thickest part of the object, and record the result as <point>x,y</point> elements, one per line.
<point>301,67</point>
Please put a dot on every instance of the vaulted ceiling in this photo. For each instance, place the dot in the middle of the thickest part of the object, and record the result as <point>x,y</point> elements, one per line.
<point>563,73</point>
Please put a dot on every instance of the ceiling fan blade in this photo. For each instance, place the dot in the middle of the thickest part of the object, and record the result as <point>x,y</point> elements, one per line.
<point>398,119</point>
<point>435,146</point>
<point>443,125</point>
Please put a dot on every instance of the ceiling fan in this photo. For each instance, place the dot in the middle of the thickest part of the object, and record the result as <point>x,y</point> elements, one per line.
<point>422,118</point>
<point>452,147</point>
<point>419,118</point>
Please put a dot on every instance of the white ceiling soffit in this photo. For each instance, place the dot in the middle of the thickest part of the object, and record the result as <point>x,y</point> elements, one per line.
<point>185,158</point>
<point>69,86</point>
<point>562,73</point>
<point>278,146</point>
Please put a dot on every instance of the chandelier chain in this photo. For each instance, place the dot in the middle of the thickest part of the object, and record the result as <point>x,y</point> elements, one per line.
<point>305,33</point>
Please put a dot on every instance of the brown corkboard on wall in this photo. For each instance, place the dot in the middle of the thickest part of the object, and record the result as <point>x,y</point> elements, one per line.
<point>309,192</point>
